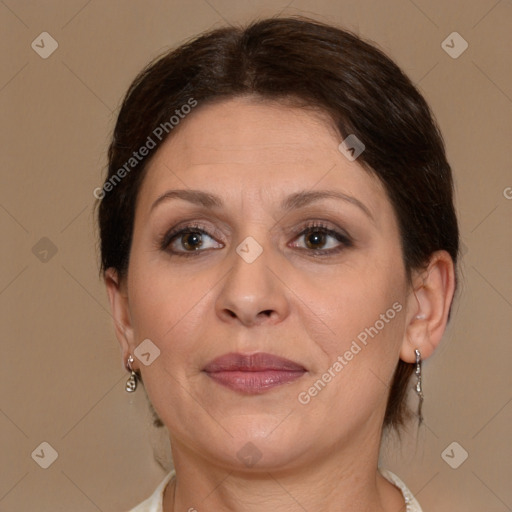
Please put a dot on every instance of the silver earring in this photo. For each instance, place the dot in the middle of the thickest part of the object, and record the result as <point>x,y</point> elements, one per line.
<point>131,383</point>
<point>419,390</point>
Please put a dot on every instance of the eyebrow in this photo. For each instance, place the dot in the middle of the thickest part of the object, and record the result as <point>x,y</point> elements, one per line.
<point>292,202</point>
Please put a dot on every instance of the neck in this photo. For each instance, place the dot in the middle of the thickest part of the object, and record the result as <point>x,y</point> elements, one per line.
<point>332,482</point>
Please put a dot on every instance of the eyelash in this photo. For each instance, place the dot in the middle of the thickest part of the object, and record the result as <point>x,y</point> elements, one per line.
<point>312,227</point>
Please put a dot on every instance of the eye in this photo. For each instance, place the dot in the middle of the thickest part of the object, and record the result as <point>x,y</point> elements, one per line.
<point>320,239</point>
<point>189,239</point>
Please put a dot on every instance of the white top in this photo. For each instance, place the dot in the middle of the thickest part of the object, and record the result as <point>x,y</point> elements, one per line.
<point>154,502</point>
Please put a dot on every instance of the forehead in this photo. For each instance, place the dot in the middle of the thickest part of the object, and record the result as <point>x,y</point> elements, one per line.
<point>245,146</point>
<point>255,131</point>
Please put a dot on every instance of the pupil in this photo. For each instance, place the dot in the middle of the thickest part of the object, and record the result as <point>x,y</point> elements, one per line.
<point>315,238</point>
<point>190,239</point>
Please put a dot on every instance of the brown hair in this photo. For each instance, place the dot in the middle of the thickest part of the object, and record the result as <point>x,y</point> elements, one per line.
<point>311,64</point>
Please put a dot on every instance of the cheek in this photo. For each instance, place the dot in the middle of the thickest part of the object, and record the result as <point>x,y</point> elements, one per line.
<point>352,304</point>
<point>367,318</point>
<point>360,358</point>
<point>161,300</point>
<point>176,317</point>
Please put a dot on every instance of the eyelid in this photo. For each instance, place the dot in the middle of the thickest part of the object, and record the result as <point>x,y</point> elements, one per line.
<point>334,232</point>
<point>165,240</point>
<point>322,224</point>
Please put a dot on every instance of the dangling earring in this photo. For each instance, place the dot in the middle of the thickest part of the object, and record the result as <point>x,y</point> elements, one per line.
<point>419,390</point>
<point>131,383</point>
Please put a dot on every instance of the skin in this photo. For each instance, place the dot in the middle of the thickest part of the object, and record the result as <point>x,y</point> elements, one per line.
<point>316,456</point>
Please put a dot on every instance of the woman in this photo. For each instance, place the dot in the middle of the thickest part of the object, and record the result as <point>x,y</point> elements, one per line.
<point>279,247</point>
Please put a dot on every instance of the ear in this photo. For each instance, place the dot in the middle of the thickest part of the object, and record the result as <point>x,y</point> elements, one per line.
<point>118,298</point>
<point>428,306</point>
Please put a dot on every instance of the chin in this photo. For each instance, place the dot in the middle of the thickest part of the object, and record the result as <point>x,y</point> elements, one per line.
<point>259,449</point>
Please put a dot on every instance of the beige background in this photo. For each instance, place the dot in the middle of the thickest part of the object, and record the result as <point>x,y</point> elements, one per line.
<point>61,374</point>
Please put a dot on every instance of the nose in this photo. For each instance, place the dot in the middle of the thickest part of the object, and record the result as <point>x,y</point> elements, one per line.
<point>252,293</point>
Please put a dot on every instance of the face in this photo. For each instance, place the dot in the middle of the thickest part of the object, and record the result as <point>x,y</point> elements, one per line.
<point>273,246</point>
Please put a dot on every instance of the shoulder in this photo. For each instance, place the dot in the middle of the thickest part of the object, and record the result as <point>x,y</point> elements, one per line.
<point>412,503</point>
<point>154,502</point>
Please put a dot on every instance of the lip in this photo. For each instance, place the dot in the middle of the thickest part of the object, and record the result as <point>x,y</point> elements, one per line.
<point>253,373</point>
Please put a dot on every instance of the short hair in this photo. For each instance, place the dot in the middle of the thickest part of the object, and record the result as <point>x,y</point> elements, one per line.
<point>303,63</point>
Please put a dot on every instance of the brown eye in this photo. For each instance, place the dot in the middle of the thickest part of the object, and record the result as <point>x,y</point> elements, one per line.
<point>320,240</point>
<point>192,240</point>
<point>188,241</point>
<point>315,239</point>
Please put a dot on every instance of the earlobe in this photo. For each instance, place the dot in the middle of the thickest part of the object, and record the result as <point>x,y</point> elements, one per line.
<point>428,307</point>
<point>118,300</point>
